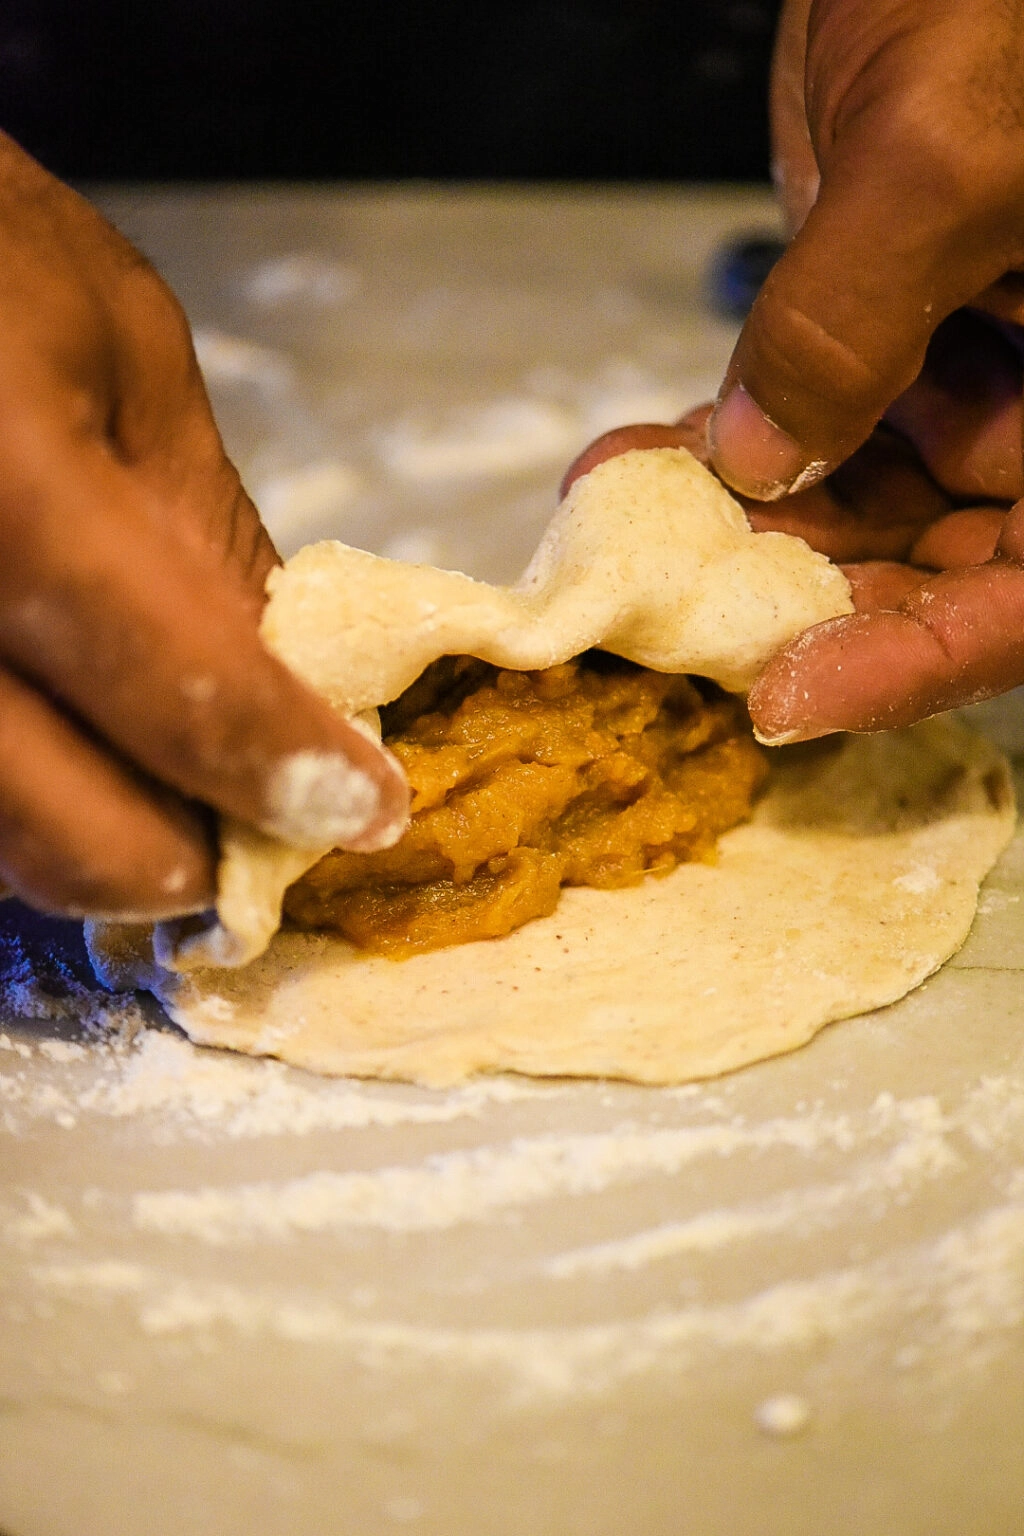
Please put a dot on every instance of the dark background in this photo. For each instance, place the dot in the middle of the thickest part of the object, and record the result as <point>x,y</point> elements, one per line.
<point>619,89</point>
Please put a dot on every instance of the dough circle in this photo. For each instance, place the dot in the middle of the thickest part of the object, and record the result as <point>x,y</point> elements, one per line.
<point>856,879</point>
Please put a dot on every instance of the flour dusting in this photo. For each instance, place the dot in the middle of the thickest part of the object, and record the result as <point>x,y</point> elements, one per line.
<point>457,1187</point>
<point>969,1283</point>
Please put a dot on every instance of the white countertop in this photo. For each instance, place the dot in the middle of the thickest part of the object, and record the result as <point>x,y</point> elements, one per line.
<point>240,1299</point>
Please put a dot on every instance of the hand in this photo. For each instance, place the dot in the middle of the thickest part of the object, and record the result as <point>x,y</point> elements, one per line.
<point>898,130</point>
<point>135,695</point>
<point>899,145</point>
<point>920,641</point>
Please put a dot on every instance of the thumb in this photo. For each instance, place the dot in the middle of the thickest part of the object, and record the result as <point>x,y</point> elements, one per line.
<point>843,321</point>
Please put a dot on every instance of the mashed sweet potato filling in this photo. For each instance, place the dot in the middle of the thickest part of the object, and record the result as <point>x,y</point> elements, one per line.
<point>596,772</point>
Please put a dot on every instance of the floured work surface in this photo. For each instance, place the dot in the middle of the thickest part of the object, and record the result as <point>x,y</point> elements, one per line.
<point>242,1299</point>
<point>513,1306</point>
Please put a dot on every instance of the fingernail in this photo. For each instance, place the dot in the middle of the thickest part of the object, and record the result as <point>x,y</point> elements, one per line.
<point>321,799</point>
<point>779,710</point>
<point>778,739</point>
<point>782,710</point>
<point>785,738</point>
<point>752,454</point>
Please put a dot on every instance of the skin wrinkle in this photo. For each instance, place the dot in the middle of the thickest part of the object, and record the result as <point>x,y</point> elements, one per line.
<point>825,349</point>
<point>873,87</point>
<point>944,631</point>
<point>921,613</point>
<point>841,84</point>
<point>1006,108</point>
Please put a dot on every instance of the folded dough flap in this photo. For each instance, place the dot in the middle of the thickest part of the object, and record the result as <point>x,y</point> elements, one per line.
<point>648,556</point>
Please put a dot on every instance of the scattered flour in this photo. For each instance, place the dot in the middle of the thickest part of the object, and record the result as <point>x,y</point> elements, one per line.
<point>100,1277</point>
<point>918,881</point>
<point>236,360</point>
<point>785,1414</point>
<point>969,1284</point>
<point>416,546</point>
<point>452,1188</point>
<point>62,1050</point>
<point>301,278</point>
<point>301,498</point>
<point>40,1221</point>
<point>525,432</point>
<point>500,438</point>
<point>25,995</point>
<point>213,1093</point>
<point>996,901</point>
<point>622,392</point>
<point>920,1156</point>
<point>961,1292</point>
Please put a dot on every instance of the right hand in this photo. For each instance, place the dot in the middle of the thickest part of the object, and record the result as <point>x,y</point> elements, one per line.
<point>938,586</point>
<point>898,147</point>
<point>898,139</point>
<point>136,697</point>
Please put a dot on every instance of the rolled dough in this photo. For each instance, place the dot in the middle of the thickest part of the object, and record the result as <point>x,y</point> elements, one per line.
<point>857,877</point>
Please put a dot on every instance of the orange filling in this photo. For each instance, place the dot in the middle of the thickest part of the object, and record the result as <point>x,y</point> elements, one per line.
<point>596,772</point>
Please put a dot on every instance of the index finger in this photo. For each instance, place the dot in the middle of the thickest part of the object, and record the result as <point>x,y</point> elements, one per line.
<point>955,639</point>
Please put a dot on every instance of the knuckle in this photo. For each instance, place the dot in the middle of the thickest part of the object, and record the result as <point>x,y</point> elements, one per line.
<point>960,169</point>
